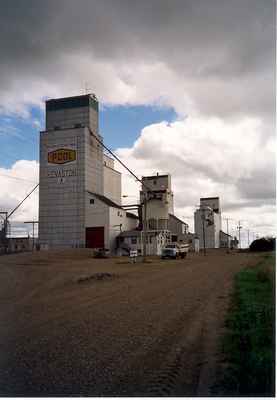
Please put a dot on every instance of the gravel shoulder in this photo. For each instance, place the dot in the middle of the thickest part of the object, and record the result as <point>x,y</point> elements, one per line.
<point>74,325</point>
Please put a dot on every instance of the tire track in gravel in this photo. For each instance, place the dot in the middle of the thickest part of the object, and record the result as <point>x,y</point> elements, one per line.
<point>172,365</point>
<point>182,361</point>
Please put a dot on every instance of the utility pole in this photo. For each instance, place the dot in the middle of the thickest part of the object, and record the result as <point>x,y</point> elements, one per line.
<point>138,180</point>
<point>144,226</point>
<point>8,215</point>
<point>5,230</point>
<point>228,240</point>
<point>33,223</point>
<point>239,228</point>
<point>248,237</point>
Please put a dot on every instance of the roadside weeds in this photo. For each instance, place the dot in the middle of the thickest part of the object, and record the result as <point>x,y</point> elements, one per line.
<point>249,343</point>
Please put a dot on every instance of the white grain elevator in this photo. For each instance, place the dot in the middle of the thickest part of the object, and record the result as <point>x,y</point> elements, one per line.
<point>71,164</point>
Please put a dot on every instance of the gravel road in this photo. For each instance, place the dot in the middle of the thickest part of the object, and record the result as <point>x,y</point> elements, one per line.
<point>74,325</point>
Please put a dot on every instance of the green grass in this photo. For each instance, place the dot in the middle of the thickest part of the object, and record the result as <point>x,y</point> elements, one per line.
<point>249,344</point>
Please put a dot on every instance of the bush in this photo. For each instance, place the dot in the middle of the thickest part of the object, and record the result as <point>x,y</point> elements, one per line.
<point>263,244</point>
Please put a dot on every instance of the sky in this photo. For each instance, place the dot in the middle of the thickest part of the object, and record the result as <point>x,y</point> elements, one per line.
<point>186,87</point>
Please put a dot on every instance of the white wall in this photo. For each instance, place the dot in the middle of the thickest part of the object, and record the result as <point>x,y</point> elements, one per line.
<point>112,184</point>
<point>93,164</point>
<point>217,225</point>
<point>157,209</point>
<point>153,246</point>
<point>118,216</point>
<point>62,190</point>
<point>97,214</point>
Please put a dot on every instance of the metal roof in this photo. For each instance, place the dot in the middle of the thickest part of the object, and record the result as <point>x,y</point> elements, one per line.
<point>224,233</point>
<point>155,176</point>
<point>105,200</point>
<point>209,198</point>
<point>138,233</point>
<point>178,219</point>
<point>131,215</point>
<point>130,233</point>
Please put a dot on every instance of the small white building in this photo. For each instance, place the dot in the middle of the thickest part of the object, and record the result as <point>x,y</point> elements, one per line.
<point>225,240</point>
<point>178,229</point>
<point>105,220</point>
<point>20,244</point>
<point>133,240</point>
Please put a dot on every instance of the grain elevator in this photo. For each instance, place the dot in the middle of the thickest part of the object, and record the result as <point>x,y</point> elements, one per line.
<point>80,190</point>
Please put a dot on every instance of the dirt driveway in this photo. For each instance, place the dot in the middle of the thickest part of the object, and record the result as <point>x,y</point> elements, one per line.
<point>129,330</point>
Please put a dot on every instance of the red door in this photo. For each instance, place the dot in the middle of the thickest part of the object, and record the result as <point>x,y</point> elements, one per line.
<point>95,237</point>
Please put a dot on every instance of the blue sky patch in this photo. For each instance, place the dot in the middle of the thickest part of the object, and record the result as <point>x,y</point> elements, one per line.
<point>119,125</point>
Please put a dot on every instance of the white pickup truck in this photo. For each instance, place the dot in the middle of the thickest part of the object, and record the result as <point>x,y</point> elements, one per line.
<point>175,250</point>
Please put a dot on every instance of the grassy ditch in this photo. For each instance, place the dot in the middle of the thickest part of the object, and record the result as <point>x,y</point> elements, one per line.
<point>249,344</point>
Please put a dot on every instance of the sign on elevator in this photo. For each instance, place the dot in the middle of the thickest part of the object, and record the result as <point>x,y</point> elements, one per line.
<point>61,156</point>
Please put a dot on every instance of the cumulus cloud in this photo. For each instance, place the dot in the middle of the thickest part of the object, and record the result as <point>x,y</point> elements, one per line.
<point>15,183</point>
<point>213,61</point>
<point>205,156</point>
<point>208,157</point>
<point>215,57</point>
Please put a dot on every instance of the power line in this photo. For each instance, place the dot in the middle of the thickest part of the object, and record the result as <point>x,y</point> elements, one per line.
<point>29,194</point>
<point>138,180</point>
<point>118,159</point>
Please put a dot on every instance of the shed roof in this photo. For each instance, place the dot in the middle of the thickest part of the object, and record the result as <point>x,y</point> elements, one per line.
<point>177,219</point>
<point>131,215</point>
<point>130,233</point>
<point>137,233</point>
<point>209,198</point>
<point>224,233</point>
<point>154,177</point>
<point>105,200</point>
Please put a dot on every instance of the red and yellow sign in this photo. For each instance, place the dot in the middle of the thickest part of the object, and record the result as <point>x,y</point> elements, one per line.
<point>61,156</point>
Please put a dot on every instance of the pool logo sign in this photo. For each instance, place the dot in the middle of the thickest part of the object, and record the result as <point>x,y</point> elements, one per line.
<point>61,156</point>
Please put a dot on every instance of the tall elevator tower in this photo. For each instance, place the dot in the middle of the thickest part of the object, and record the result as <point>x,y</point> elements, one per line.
<point>71,163</point>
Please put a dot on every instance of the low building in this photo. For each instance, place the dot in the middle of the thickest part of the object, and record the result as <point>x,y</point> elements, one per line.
<point>19,244</point>
<point>177,228</point>
<point>234,243</point>
<point>133,240</point>
<point>106,220</point>
<point>225,240</point>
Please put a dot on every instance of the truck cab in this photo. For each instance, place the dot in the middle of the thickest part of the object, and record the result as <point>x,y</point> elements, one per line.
<point>175,250</point>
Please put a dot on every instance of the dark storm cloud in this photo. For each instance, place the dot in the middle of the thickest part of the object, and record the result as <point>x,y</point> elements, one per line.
<point>218,50</point>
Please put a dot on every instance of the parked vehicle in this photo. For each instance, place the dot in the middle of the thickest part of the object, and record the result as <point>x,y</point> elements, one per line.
<point>175,250</point>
